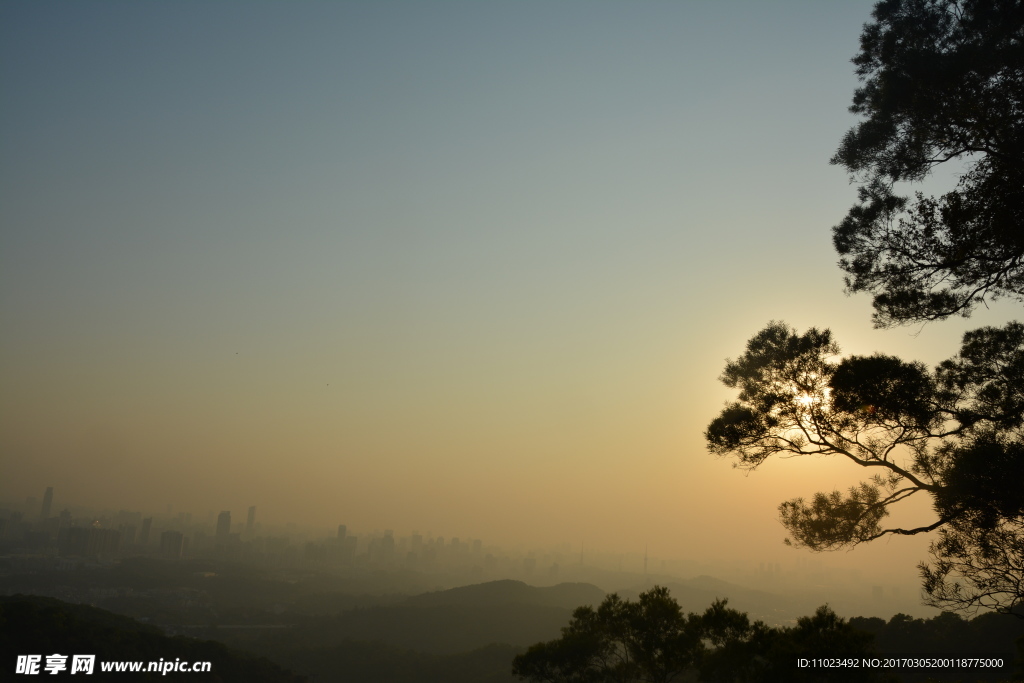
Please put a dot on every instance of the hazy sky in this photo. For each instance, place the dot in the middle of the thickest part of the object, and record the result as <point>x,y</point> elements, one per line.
<point>470,268</point>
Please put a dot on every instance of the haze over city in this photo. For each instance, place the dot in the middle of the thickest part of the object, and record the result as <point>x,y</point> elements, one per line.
<point>471,269</point>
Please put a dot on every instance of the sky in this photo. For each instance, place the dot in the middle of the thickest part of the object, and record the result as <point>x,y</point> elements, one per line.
<point>470,269</point>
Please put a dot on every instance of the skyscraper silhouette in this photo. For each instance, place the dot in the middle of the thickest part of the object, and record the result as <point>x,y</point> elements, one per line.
<point>224,526</point>
<point>147,524</point>
<point>47,503</point>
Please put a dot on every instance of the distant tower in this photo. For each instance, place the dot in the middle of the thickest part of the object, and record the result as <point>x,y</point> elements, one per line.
<point>342,532</point>
<point>250,521</point>
<point>147,524</point>
<point>223,526</point>
<point>47,502</point>
<point>645,560</point>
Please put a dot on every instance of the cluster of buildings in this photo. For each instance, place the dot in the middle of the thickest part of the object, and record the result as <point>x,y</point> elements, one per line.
<point>34,539</point>
<point>34,531</point>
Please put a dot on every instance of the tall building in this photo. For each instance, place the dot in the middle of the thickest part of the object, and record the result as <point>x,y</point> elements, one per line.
<point>224,526</point>
<point>387,546</point>
<point>171,544</point>
<point>250,521</point>
<point>147,524</point>
<point>47,502</point>
<point>342,531</point>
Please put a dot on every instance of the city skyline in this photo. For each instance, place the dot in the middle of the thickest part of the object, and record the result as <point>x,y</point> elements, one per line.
<point>183,534</point>
<point>207,545</point>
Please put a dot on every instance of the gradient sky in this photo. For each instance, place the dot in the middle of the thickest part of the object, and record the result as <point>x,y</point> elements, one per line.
<point>470,268</point>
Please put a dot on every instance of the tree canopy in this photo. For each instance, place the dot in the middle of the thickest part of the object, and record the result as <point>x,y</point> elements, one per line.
<point>618,641</point>
<point>942,83</point>
<point>651,641</point>
<point>953,433</point>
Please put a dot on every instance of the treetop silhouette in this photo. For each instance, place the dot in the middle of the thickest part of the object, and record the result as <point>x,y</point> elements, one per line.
<point>942,83</point>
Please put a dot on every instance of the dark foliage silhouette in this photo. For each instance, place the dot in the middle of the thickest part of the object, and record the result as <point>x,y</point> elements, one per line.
<point>652,641</point>
<point>942,83</point>
<point>953,433</point>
